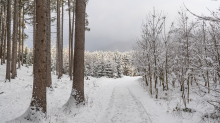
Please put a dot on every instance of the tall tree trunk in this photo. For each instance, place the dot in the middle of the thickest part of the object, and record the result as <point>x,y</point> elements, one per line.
<point>15,39</point>
<point>48,44</point>
<point>187,41</point>
<point>61,62</point>
<point>70,39</point>
<point>3,33</point>
<point>166,55</point>
<point>77,93</point>
<point>204,44</point>
<point>58,40</point>
<point>154,48</point>
<point>151,90</point>
<point>4,45</point>
<point>38,103</point>
<point>8,40</point>
<point>72,35</point>
<point>22,49</point>
<point>34,32</point>
<point>19,34</point>
<point>1,29</point>
<point>78,79</point>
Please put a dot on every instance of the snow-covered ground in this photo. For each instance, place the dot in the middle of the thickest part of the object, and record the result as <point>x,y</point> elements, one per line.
<point>108,100</point>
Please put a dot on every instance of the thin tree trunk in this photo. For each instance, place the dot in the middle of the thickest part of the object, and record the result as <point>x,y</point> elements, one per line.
<point>61,63</point>
<point>15,39</point>
<point>151,92</point>
<point>8,40</point>
<point>183,89</point>
<point>34,33</point>
<point>22,49</point>
<point>187,41</point>
<point>70,39</point>
<point>155,60</point>
<point>204,38</point>
<point>166,56</point>
<point>19,34</point>
<point>3,34</point>
<point>72,35</point>
<point>4,44</point>
<point>1,28</point>
<point>58,39</point>
<point>48,55</point>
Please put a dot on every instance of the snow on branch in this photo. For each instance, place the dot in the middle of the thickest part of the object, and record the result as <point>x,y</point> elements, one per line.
<point>203,17</point>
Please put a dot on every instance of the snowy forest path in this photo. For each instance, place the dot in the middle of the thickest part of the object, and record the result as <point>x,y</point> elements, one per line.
<point>124,107</point>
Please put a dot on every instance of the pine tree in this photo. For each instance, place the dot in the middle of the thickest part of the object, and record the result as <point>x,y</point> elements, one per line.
<point>22,45</point>
<point>48,44</point>
<point>108,70</point>
<point>1,29</point>
<point>14,46</point>
<point>77,93</point>
<point>59,69</point>
<point>70,39</point>
<point>19,33</point>
<point>101,69</point>
<point>125,65</point>
<point>3,37</point>
<point>118,70</point>
<point>5,31</point>
<point>38,104</point>
<point>8,40</point>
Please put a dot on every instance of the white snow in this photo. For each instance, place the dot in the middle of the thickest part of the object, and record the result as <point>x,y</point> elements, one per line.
<point>108,100</point>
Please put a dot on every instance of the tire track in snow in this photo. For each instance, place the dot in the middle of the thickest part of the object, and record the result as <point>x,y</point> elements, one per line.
<point>110,105</point>
<point>123,107</point>
<point>140,107</point>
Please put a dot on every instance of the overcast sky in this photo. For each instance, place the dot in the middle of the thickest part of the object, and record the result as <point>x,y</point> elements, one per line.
<point>116,24</point>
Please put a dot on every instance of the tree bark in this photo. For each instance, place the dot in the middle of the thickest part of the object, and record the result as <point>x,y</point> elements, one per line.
<point>77,93</point>
<point>1,29</point>
<point>78,79</point>
<point>61,62</point>
<point>4,46</point>
<point>3,34</point>
<point>48,36</point>
<point>72,35</point>
<point>70,39</point>
<point>38,102</point>
<point>58,40</point>
<point>8,40</point>
<point>22,49</point>
<point>19,34</point>
<point>15,33</point>
<point>34,32</point>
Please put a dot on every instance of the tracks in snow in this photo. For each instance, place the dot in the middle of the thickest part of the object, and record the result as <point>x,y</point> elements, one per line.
<point>124,107</point>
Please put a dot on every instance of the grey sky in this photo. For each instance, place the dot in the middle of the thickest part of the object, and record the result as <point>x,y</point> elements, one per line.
<point>115,24</point>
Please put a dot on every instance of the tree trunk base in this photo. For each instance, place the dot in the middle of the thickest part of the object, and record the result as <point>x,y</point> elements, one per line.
<point>31,115</point>
<point>71,106</point>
